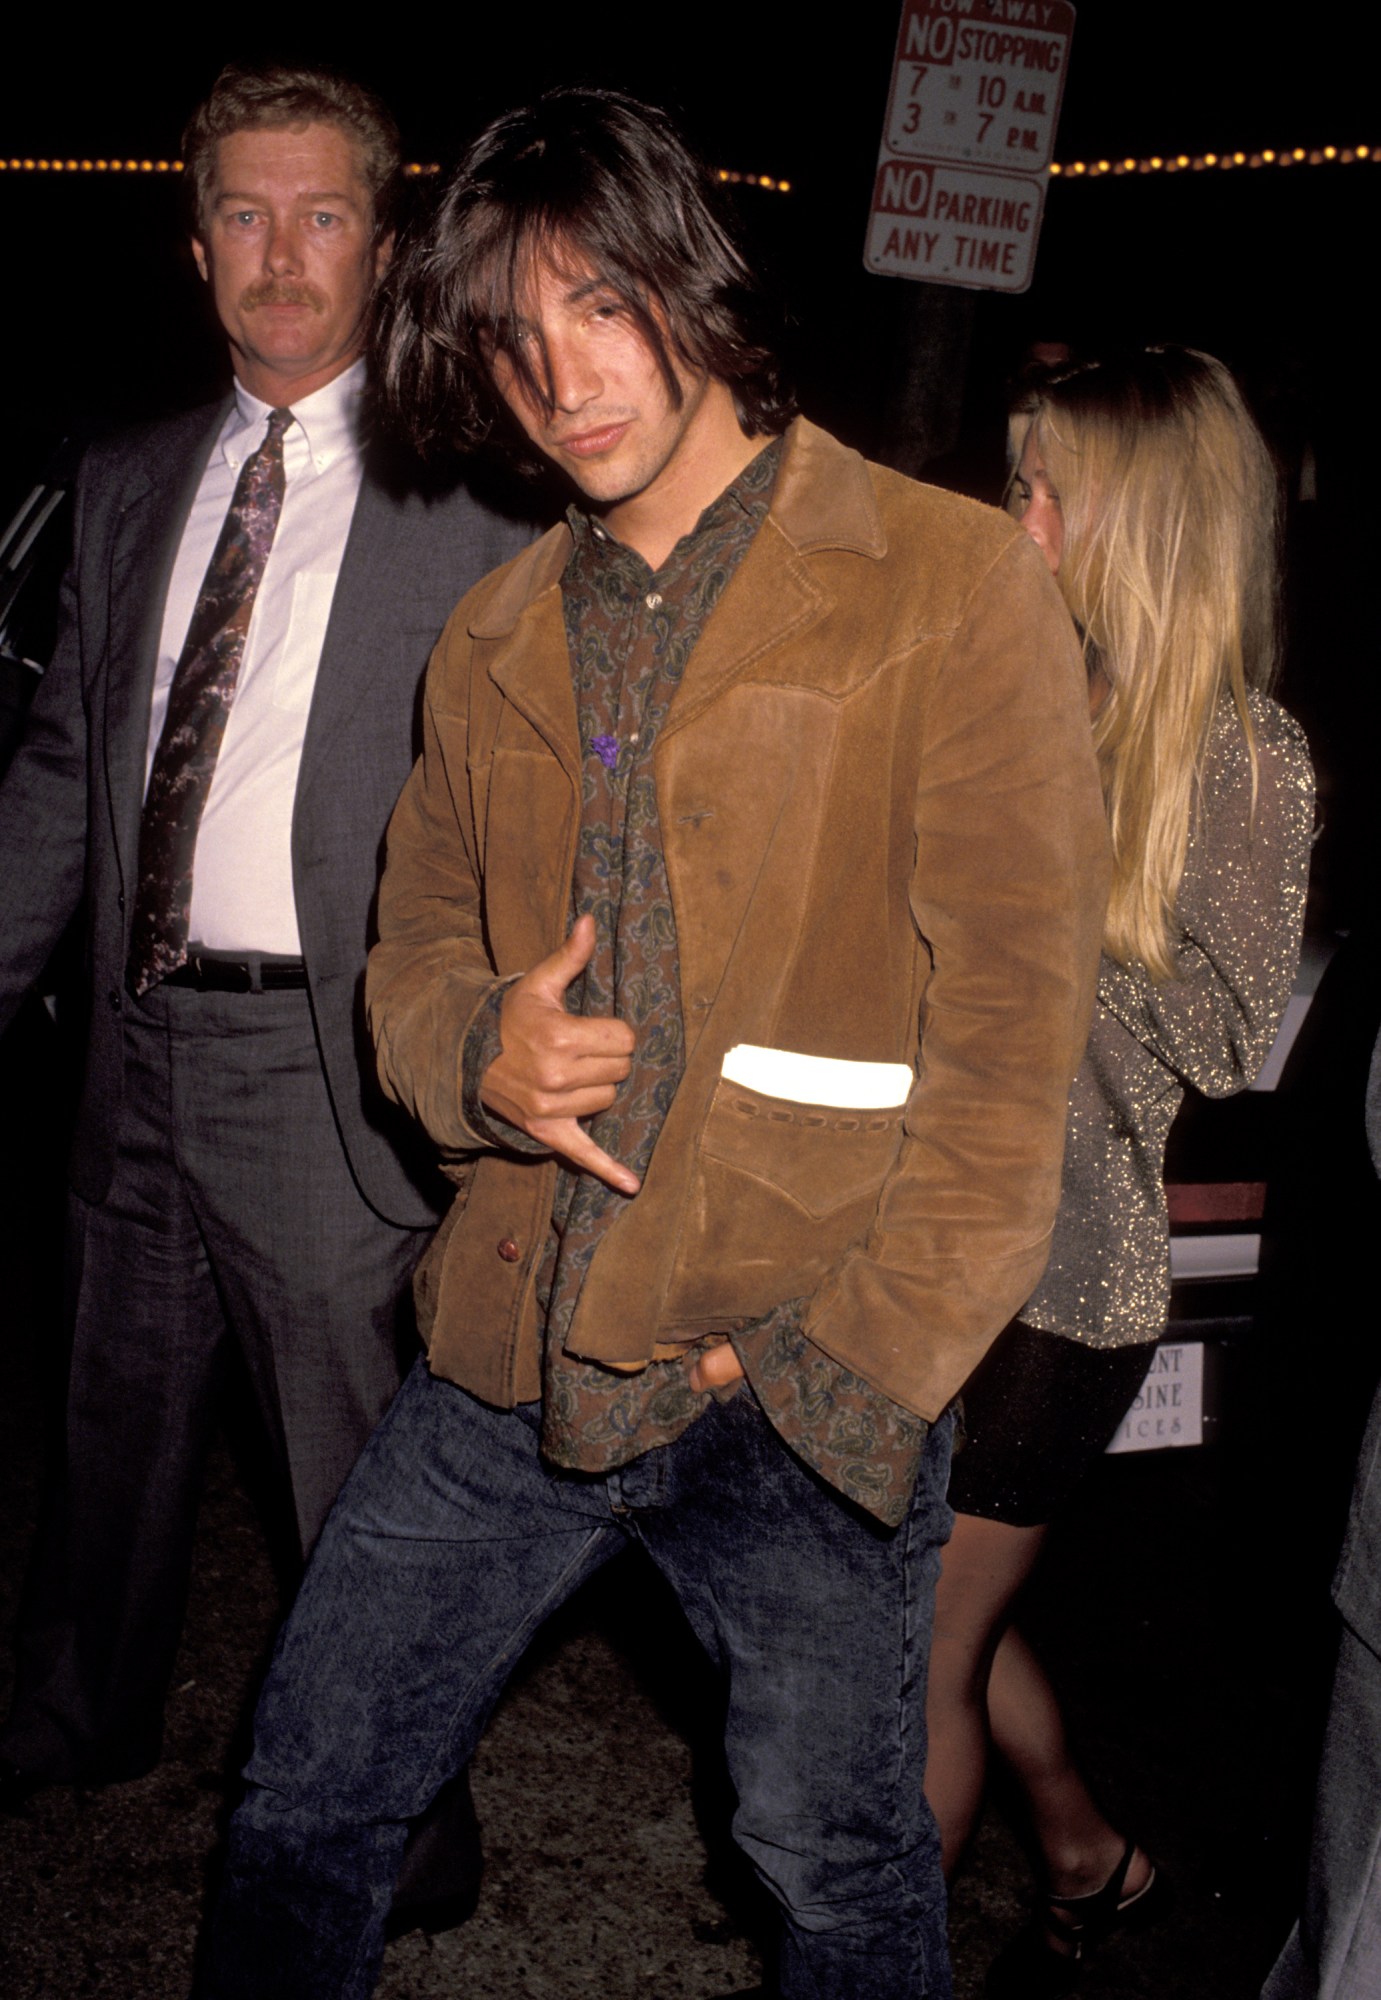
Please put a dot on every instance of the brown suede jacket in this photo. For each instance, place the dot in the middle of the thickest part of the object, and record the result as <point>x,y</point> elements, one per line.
<point>880,814</point>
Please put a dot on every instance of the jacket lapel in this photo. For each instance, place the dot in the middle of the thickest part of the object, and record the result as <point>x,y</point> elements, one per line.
<point>823,499</point>
<point>353,645</point>
<point>770,599</point>
<point>523,634</point>
<point>153,507</point>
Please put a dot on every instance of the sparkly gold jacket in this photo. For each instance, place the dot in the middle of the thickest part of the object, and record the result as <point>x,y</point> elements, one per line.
<point>1241,908</point>
<point>879,809</point>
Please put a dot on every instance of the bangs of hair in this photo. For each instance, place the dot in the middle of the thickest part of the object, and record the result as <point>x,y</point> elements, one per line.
<point>504,280</point>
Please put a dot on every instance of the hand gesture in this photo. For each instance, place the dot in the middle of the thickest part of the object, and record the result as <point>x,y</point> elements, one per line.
<point>556,1068</point>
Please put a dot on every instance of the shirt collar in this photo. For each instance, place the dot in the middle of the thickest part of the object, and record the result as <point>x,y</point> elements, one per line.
<point>328,420</point>
<point>748,495</point>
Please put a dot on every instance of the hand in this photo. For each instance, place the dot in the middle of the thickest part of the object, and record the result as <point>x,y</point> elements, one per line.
<point>556,1068</point>
<point>716,1367</point>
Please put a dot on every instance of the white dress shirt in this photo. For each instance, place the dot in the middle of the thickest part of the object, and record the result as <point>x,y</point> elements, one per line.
<point>242,895</point>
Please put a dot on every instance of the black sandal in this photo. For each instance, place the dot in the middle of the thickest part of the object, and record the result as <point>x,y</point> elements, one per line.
<point>1045,1960</point>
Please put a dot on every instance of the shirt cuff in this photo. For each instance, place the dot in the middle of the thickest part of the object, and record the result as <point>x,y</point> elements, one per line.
<point>483,1043</point>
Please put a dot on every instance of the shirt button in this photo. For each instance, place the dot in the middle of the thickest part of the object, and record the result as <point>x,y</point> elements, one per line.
<point>653,600</point>
<point>509,1250</point>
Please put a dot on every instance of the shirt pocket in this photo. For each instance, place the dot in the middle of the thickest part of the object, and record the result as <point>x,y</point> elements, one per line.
<point>313,592</point>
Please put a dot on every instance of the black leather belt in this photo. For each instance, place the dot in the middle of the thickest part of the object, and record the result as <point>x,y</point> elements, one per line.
<point>256,974</point>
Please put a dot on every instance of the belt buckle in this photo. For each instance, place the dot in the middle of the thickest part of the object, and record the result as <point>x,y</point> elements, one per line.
<point>222,975</point>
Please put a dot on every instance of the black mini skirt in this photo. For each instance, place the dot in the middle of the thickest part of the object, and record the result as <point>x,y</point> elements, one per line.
<point>1038,1410</point>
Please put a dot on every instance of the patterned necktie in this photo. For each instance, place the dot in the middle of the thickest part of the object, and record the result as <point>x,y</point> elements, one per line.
<point>199,699</point>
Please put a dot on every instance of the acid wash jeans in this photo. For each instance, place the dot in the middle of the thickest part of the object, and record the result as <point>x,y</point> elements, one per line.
<point>451,1542</point>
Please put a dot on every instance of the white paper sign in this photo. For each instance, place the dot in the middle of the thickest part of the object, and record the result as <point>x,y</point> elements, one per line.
<point>1169,1406</point>
<point>966,142</point>
<point>979,81</point>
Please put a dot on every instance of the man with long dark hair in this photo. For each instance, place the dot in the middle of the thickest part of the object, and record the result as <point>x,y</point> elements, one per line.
<point>762,757</point>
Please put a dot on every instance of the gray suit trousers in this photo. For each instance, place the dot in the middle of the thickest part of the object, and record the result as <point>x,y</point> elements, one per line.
<point>232,1217</point>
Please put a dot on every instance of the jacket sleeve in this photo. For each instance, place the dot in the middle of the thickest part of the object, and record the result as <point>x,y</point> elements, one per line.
<point>1241,908</point>
<point>43,805</point>
<point>1008,895</point>
<point>430,981</point>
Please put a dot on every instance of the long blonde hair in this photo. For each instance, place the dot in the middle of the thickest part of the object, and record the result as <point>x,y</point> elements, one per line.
<point>1169,502</point>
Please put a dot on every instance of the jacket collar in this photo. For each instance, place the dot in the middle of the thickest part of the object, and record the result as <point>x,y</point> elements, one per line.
<point>535,572</point>
<point>824,496</point>
<point>157,484</point>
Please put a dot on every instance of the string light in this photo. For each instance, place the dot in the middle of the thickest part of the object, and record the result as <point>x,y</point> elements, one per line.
<point>90,166</point>
<point>754,180</point>
<point>1202,163</point>
<point>414,167</point>
<point>728,174</point>
<point>1157,163</point>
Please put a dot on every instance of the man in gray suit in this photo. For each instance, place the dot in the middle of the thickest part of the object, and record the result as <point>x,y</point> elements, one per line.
<point>209,768</point>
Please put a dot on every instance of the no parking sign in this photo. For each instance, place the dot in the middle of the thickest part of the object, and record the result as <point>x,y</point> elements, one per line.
<point>967,141</point>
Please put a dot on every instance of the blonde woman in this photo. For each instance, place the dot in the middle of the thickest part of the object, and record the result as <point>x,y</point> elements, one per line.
<point>1153,498</point>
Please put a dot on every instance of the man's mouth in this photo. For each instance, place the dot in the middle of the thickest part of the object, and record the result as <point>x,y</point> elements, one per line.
<point>590,443</point>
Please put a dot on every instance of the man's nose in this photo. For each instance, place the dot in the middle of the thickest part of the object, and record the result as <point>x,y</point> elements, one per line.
<point>572,376</point>
<point>283,249</point>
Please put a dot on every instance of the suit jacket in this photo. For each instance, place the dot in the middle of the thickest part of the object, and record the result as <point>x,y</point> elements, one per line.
<point>70,805</point>
<point>880,809</point>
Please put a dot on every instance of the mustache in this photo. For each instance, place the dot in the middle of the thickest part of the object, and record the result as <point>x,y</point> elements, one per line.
<point>282,292</point>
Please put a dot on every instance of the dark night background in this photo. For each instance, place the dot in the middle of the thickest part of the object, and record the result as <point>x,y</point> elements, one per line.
<point>1266,268</point>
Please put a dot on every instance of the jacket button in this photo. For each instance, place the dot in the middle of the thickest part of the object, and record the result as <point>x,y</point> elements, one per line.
<point>116,1004</point>
<point>120,901</point>
<point>509,1250</point>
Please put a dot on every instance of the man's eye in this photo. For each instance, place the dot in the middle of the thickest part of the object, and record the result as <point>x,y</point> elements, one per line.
<point>324,219</point>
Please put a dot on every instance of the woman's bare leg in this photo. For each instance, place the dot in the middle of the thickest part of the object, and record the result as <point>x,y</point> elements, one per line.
<point>1080,1848</point>
<point>984,1566</point>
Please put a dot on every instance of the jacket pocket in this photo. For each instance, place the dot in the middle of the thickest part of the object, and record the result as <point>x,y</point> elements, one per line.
<point>779,1191</point>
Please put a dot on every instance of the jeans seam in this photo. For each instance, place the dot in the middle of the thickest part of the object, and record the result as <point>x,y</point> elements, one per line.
<point>915,1660</point>
<point>513,1651</point>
